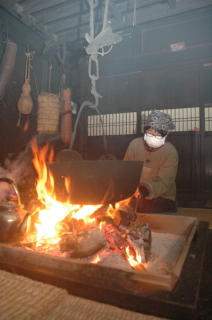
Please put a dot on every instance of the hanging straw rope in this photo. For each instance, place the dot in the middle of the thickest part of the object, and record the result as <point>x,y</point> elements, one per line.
<point>50,76</point>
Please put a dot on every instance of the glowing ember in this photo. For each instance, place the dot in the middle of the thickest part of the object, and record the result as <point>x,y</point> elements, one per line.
<point>96,259</point>
<point>100,256</point>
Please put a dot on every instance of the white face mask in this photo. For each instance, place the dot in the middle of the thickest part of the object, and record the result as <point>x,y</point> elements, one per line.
<point>154,142</point>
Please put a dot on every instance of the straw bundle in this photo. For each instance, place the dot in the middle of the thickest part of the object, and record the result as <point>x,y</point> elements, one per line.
<point>48,113</point>
<point>25,103</point>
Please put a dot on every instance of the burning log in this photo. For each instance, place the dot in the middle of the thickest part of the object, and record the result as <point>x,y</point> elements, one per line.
<point>119,217</point>
<point>68,244</point>
<point>140,240</point>
<point>138,246</point>
<point>77,226</point>
<point>85,244</point>
<point>113,236</point>
<point>124,218</point>
<point>99,212</point>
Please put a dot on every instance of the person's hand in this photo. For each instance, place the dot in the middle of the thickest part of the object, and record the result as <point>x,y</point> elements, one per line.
<point>143,191</point>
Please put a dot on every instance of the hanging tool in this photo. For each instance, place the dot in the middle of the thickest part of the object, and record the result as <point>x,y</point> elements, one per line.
<point>104,38</point>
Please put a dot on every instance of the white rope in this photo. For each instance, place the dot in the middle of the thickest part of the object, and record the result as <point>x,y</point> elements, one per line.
<point>29,57</point>
<point>91,20</point>
<point>134,15</point>
<point>105,14</point>
<point>108,39</point>
<point>104,53</point>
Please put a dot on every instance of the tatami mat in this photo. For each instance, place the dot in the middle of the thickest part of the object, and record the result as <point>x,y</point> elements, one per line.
<point>201,214</point>
<point>25,299</point>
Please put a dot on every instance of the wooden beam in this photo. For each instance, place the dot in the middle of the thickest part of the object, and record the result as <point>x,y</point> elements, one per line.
<point>68,23</point>
<point>20,33</point>
<point>28,21</point>
<point>74,9</point>
<point>60,13</point>
<point>115,12</point>
<point>172,4</point>
<point>56,26</point>
<point>42,5</point>
<point>143,15</point>
<point>12,2</point>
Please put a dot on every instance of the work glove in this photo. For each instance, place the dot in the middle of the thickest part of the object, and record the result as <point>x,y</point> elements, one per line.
<point>143,190</point>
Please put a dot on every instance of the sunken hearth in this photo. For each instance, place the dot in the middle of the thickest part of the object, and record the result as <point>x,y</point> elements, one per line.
<point>150,248</point>
<point>172,295</point>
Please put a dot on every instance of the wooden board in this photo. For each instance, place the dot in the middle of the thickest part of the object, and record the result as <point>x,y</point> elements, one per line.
<point>97,275</point>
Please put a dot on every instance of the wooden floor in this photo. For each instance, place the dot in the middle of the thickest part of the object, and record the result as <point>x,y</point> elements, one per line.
<point>201,213</point>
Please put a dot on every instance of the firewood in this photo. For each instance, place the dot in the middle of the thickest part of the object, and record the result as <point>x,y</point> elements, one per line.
<point>88,243</point>
<point>138,246</point>
<point>113,236</point>
<point>100,211</point>
<point>140,267</point>
<point>123,218</point>
<point>68,243</point>
<point>141,243</point>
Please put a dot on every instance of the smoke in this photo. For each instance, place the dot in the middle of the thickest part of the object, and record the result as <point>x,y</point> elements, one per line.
<point>19,168</point>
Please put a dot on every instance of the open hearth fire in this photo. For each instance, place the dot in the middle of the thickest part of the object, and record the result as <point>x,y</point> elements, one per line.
<point>103,234</point>
<point>98,240</point>
<point>97,234</point>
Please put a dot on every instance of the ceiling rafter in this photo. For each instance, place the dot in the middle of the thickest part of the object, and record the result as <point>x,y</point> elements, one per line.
<point>59,21</point>
<point>28,20</point>
<point>172,4</point>
<point>57,14</point>
<point>11,2</point>
<point>41,5</point>
<point>142,17</point>
<point>72,22</point>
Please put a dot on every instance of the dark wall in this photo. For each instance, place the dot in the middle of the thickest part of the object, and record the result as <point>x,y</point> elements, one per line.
<point>14,139</point>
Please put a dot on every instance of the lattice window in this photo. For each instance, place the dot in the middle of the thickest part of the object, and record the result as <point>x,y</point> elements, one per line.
<point>114,124</point>
<point>185,119</point>
<point>208,119</point>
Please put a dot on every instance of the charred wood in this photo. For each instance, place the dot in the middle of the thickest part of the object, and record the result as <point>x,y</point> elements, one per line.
<point>113,236</point>
<point>85,244</point>
<point>123,218</point>
<point>100,211</point>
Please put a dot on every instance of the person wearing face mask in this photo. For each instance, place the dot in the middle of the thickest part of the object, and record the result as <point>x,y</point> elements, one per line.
<point>157,190</point>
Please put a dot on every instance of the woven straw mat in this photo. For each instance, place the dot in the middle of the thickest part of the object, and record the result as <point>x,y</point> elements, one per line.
<point>24,299</point>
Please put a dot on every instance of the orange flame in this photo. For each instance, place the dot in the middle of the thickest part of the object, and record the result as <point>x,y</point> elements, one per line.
<point>100,256</point>
<point>26,125</point>
<point>137,265</point>
<point>96,259</point>
<point>55,211</point>
<point>130,258</point>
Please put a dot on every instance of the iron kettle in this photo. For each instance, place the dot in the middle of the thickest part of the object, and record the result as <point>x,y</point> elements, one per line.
<point>10,216</point>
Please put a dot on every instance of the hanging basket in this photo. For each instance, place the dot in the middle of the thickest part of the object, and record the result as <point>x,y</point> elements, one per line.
<point>48,113</point>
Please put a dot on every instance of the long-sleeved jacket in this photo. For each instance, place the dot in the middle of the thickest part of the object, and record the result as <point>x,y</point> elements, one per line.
<point>159,169</point>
